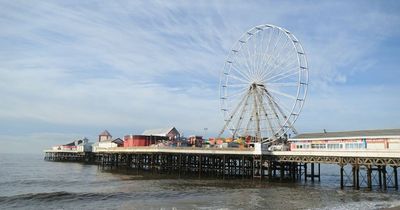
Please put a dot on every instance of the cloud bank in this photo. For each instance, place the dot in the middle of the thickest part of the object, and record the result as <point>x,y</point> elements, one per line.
<point>70,69</point>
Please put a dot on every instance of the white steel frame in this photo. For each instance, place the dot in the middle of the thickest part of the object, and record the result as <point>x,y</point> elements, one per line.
<point>264,84</point>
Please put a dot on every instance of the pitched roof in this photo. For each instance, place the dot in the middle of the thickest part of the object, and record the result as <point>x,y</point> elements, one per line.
<point>158,132</point>
<point>349,134</point>
<point>105,133</point>
<point>118,140</point>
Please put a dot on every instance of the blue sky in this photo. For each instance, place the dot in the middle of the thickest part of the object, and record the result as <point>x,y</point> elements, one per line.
<point>70,69</point>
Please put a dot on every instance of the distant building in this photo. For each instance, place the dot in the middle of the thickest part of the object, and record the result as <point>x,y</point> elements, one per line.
<point>139,140</point>
<point>167,133</point>
<point>105,136</point>
<point>153,136</point>
<point>195,140</point>
<point>80,145</point>
<point>108,144</point>
<point>387,139</point>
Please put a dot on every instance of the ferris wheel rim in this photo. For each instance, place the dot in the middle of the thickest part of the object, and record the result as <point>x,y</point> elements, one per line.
<point>302,67</point>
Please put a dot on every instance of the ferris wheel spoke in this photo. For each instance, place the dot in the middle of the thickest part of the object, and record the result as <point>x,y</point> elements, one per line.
<point>264,61</point>
<point>244,58</point>
<point>259,54</point>
<point>281,66</point>
<point>251,53</point>
<point>242,73</point>
<point>238,85</point>
<point>238,92</point>
<point>250,61</point>
<point>244,61</point>
<point>282,58</point>
<point>287,62</point>
<point>282,94</point>
<point>277,57</point>
<point>284,84</point>
<point>237,78</point>
<point>283,75</point>
<point>256,52</point>
<point>274,48</point>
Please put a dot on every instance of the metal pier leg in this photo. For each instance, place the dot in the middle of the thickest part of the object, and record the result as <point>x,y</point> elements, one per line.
<point>242,167</point>
<point>223,167</point>
<point>396,181</point>
<point>116,160</point>
<point>312,172</point>
<point>357,177</point>
<point>369,177</point>
<point>294,167</point>
<point>384,177</point>
<point>319,172</point>
<point>199,167</point>
<point>341,177</point>
<point>180,164</point>
<point>354,176</point>
<point>380,176</point>
<point>305,172</point>
<point>270,170</point>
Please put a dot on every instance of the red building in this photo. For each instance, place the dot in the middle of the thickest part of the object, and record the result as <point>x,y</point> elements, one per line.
<point>139,140</point>
<point>150,137</point>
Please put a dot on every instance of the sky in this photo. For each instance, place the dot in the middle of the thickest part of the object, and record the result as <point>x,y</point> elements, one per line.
<point>70,69</point>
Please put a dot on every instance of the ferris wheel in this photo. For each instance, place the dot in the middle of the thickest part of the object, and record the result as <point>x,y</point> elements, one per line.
<point>264,84</point>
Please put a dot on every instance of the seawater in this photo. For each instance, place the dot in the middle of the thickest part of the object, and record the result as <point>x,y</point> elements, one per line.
<point>29,182</point>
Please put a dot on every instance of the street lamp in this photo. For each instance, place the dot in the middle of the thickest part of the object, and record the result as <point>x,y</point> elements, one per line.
<point>205,132</point>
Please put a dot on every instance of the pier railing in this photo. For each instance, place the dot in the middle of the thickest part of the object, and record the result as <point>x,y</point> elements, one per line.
<point>196,150</point>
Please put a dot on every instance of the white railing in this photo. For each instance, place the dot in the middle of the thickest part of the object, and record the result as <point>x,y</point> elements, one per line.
<point>176,149</point>
<point>342,153</point>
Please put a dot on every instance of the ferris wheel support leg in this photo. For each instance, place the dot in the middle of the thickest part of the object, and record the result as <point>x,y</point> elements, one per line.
<point>241,116</point>
<point>258,132</point>
<point>266,114</point>
<point>271,104</point>
<point>231,116</point>
<point>290,125</point>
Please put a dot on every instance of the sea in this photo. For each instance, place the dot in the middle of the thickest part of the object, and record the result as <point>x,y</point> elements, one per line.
<point>29,182</point>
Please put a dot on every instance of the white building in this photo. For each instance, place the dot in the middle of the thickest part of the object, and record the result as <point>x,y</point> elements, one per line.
<point>105,136</point>
<point>80,145</point>
<point>107,144</point>
<point>385,139</point>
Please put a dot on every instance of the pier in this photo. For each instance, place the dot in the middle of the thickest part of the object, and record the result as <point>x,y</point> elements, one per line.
<point>69,156</point>
<point>357,169</point>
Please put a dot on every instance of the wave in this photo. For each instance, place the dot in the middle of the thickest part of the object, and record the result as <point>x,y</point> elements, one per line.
<point>363,205</point>
<point>59,196</point>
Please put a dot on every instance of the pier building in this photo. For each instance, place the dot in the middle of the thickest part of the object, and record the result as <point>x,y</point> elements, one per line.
<point>163,133</point>
<point>105,136</point>
<point>386,139</point>
<point>139,140</point>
